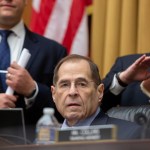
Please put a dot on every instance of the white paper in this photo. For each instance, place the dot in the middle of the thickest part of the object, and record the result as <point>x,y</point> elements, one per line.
<point>23,60</point>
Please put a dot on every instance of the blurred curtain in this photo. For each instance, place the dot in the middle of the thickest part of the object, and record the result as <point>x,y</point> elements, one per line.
<point>27,13</point>
<point>119,27</point>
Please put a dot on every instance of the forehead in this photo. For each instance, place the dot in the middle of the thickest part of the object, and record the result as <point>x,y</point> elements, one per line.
<point>74,69</point>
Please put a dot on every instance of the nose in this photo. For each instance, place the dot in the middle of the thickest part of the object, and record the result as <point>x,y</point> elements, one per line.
<point>73,89</point>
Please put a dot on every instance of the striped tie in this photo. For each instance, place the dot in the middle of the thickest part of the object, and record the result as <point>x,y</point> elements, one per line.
<point>4,57</point>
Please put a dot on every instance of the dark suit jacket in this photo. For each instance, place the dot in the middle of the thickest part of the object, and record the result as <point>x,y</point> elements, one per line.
<point>126,129</point>
<point>132,95</point>
<point>45,54</point>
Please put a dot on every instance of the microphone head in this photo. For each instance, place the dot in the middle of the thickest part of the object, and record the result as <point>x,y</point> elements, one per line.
<point>140,119</point>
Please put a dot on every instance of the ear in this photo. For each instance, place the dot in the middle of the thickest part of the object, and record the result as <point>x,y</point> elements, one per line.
<point>53,92</point>
<point>100,92</point>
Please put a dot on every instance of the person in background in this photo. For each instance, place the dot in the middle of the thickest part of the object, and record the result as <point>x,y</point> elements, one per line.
<point>77,91</point>
<point>123,82</point>
<point>32,84</point>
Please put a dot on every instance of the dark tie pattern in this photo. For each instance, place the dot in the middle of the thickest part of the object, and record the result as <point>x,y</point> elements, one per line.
<point>4,57</point>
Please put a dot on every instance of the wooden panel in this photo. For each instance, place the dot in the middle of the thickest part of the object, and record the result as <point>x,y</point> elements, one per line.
<point>114,145</point>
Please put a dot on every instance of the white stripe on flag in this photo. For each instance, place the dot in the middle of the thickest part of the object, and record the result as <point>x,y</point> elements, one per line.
<point>58,21</point>
<point>36,5</point>
<point>80,42</point>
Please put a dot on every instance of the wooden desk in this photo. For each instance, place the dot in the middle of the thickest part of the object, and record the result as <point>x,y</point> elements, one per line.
<point>106,145</point>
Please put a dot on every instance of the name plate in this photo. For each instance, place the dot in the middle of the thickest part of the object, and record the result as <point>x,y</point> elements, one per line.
<point>100,132</point>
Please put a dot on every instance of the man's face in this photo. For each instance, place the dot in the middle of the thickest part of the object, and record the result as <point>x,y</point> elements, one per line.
<point>11,12</point>
<point>76,96</point>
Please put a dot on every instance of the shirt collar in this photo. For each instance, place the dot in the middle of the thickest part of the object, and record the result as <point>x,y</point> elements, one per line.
<point>86,122</point>
<point>19,29</point>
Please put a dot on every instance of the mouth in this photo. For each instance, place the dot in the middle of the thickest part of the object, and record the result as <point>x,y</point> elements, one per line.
<point>73,105</point>
<point>7,6</point>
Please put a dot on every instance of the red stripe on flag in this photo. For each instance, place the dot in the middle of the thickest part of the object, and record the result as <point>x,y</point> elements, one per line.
<point>89,2</point>
<point>33,23</point>
<point>39,23</point>
<point>76,14</point>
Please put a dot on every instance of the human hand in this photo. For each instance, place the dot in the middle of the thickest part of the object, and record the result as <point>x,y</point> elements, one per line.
<point>7,101</point>
<point>138,71</point>
<point>20,80</point>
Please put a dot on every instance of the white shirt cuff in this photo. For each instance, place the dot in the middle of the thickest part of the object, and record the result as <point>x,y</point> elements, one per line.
<point>144,90</point>
<point>115,87</point>
<point>30,101</point>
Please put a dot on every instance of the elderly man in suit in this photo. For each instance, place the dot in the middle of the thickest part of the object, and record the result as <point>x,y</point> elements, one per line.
<point>32,84</point>
<point>123,83</point>
<point>77,92</point>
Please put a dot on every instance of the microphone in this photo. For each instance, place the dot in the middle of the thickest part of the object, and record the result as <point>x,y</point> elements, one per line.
<point>142,120</point>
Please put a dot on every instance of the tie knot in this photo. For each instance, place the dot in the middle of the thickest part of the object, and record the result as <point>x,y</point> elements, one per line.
<point>5,33</point>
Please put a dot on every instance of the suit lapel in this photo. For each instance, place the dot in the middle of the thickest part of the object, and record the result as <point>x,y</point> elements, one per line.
<point>31,43</point>
<point>100,119</point>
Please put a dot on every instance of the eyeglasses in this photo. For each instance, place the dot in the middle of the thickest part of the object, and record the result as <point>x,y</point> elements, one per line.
<point>79,84</point>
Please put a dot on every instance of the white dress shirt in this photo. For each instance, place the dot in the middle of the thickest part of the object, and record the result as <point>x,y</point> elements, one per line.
<point>115,87</point>
<point>16,41</point>
<point>144,90</point>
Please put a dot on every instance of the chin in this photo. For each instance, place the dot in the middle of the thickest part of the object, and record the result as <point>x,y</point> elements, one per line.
<point>7,13</point>
<point>73,116</point>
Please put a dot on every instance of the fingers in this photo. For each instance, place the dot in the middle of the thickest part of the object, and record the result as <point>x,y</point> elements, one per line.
<point>13,69</point>
<point>15,66</point>
<point>12,101</point>
<point>141,63</point>
<point>7,101</point>
<point>139,60</point>
<point>10,104</point>
<point>147,61</point>
<point>9,76</point>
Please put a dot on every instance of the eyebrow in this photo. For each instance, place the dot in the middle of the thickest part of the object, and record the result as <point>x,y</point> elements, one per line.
<point>78,79</point>
<point>82,79</point>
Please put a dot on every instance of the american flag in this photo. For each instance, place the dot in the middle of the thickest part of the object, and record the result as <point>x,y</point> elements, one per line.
<point>64,21</point>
